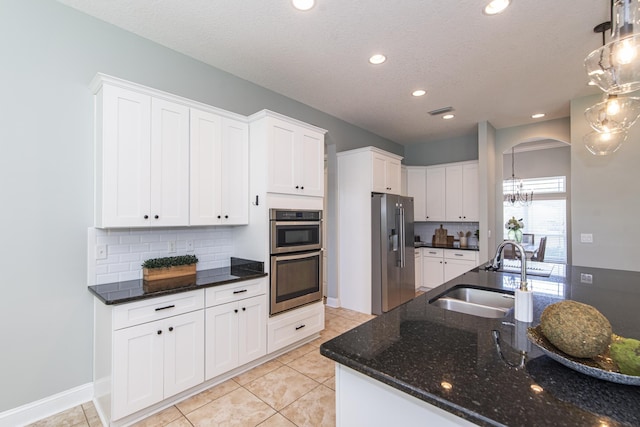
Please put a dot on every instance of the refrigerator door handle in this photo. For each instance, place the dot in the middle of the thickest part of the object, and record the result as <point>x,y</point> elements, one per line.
<point>402,239</point>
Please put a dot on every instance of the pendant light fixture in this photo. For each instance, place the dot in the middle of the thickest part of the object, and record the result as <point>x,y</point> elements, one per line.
<point>613,113</point>
<point>604,143</point>
<point>615,67</point>
<point>517,196</point>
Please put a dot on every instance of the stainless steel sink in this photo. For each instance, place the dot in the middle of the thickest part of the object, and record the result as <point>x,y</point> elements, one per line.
<point>490,303</point>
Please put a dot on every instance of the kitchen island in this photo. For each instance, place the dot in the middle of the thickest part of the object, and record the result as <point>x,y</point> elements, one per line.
<point>423,365</point>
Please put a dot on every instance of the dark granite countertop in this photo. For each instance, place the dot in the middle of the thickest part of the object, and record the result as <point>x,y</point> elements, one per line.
<point>417,346</point>
<point>132,290</point>
<point>432,245</point>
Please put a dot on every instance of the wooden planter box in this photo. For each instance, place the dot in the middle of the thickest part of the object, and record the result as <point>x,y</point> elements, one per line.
<point>161,279</point>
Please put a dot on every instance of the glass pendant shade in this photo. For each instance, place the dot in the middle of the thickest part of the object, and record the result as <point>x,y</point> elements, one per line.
<point>604,143</point>
<point>614,113</point>
<point>615,67</point>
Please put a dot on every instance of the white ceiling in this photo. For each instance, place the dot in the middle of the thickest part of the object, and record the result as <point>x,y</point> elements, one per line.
<point>499,68</point>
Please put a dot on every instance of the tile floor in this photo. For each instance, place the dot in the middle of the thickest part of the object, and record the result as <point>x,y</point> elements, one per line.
<point>295,389</point>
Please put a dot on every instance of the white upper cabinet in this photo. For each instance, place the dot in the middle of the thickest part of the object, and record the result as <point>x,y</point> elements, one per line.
<point>219,170</point>
<point>462,192</point>
<point>287,154</point>
<point>296,159</point>
<point>162,160</point>
<point>436,194</point>
<point>385,173</point>
<point>142,165</point>
<point>417,188</point>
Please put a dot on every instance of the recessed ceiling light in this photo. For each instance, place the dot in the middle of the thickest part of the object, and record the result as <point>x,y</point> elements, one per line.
<point>377,59</point>
<point>496,6</point>
<point>419,92</point>
<point>448,116</point>
<point>303,4</point>
<point>537,116</point>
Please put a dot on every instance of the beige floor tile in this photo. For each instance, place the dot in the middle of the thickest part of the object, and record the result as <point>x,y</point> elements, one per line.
<point>315,409</point>
<point>180,422</point>
<point>162,418</point>
<point>257,372</point>
<point>331,311</point>
<point>277,420</point>
<point>341,324</point>
<point>70,417</point>
<point>209,395</point>
<point>297,352</point>
<point>331,383</point>
<point>281,387</point>
<point>90,412</point>
<point>355,315</point>
<point>315,366</point>
<point>327,334</point>
<point>238,408</point>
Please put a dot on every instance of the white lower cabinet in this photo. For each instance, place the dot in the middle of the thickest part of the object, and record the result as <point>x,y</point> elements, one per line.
<point>442,265</point>
<point>236,334</point>
<point>418,266</point>
<point>292,326</point>
<point>157,359</point>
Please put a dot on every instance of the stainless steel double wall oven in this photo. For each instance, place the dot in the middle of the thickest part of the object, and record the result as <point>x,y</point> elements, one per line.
<point>296,258</point>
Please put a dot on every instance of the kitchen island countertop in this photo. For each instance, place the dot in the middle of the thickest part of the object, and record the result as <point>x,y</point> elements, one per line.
<point>417,346</point>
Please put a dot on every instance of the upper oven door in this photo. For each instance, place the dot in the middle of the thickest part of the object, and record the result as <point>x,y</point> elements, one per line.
<point>295,236</point>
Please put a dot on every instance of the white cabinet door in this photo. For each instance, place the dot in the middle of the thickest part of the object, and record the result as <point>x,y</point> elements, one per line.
<point>221,339</point>
<point>138,368</point>
<point>470,189</point>
<point>435,203</point>
<point>311,164</point>
<point>236,334</point>
<point>183,352</point>
<point>456,267</point>
<point>219,170</point>
<point>417,188</point>
<point>169,163</point>
<point>393,176</point>
<point>432,271</point>
<point>418,266</point>
<point>385,174</point>
<point>142,164</point>
<point>296,159</point>
<point>123,138</point>
<point>453,206</point>
<point>252,331</point>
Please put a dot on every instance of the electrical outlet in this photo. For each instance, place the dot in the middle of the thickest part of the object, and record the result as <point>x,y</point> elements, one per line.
<point>171,247</point>
<point>189,245</point>
<point>586,278</point>
<point>586,238</point>
<point>101,251</point>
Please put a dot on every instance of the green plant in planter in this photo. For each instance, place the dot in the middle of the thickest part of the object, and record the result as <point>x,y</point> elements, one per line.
<point>171,261</point>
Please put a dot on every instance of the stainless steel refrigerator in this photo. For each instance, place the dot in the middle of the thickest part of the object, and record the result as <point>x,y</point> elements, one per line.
<point>392,252</point>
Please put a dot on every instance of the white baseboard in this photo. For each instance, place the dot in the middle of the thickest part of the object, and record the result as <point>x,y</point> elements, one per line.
<point>333,302</point>
<point>43,408</point>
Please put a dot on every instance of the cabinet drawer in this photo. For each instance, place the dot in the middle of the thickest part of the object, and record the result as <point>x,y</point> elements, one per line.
<point>235,291</point>
<point>466,255</point>
<point>148,310</point>
<point>433,252</point>
<point>290,327</point>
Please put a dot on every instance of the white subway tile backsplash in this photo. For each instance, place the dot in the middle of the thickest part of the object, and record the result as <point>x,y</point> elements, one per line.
<point>127,249</point>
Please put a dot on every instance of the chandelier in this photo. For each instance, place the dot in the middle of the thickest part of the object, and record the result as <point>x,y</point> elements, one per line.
<point>615,69</point>
<point>517,196</point>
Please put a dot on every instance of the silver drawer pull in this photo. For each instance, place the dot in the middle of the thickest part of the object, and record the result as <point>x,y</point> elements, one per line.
<point>300,327</point>
<point>459,254</point>
<point>164,308</point>
<point>239,292</point>
<point>433,253</point>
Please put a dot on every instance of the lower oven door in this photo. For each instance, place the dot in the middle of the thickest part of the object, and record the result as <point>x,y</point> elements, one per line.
<point>296,279</point>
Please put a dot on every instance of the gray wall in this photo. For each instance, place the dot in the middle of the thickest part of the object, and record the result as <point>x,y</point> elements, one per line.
<point>50,54</point>
<point>533,164</point>
<point>443,151</point>
<point>605,198</point>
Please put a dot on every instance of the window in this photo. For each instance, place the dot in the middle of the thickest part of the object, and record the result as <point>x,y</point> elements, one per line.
<point>546,216</point>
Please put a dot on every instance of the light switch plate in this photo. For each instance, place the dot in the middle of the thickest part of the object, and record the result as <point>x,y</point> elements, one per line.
<point>101,251</point>
<point>586,238</point>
